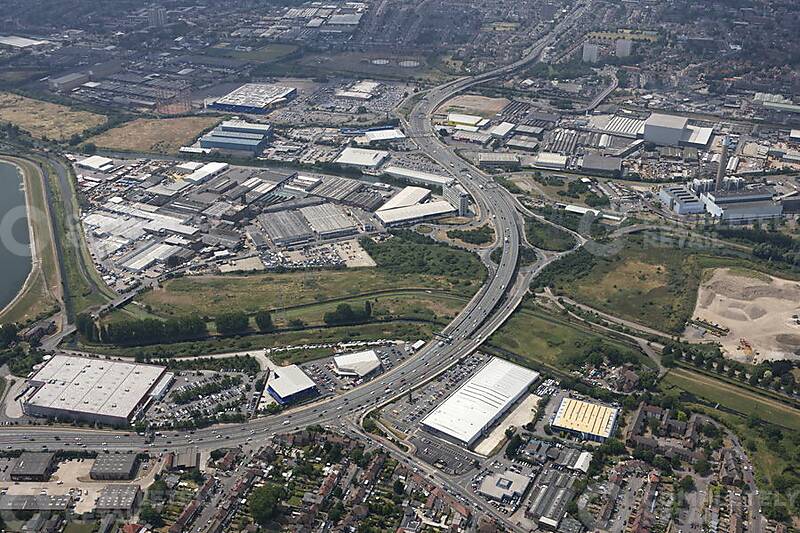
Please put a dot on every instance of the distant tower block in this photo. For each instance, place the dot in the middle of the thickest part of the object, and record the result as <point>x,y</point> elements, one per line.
<point>623,47</point>
<point>723,164</point>
<point>591,52</point>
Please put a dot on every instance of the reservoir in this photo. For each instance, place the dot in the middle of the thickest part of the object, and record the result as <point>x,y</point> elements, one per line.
<point>14,235</point>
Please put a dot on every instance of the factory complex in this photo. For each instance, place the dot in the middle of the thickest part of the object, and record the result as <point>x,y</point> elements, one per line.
<point>91,390</point>
<point>480,402</point>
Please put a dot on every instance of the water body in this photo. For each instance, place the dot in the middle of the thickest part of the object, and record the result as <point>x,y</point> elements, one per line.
<point>15,258</point>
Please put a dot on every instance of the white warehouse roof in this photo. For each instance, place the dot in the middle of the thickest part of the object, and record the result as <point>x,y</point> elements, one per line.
<point>480,401</point>
<point>467,120</point>
<point>356,364</point>
<point>76,386</point>
<point>408,196</point>
<point>414,212</point>
<point>289,380</point>
<point>417,175</point>
<point>361,157</point>
<point>96,162</point>
<point>666,121</point>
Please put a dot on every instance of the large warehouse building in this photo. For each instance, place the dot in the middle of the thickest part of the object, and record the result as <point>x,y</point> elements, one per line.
<point>589,421</point>
<point>480,402</point>
<point>290,384</point>
<point>90,390</point>
<point>238,135</point>
<point>254,98</point>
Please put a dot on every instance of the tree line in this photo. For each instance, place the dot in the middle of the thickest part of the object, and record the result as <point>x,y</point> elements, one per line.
<point>144,331</point>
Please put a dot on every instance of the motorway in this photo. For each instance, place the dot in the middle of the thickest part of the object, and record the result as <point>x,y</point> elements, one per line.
<point>497,299</point>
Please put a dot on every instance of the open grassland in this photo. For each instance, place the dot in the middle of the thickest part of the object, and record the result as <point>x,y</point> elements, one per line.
<point>156,135</point>
<point>210,295</point>
<point>733,397</point>
<point>411,304</point>
<point>265,54</point>
<point>655,285</point>
<point>545,339</point>
<point>44,119</point>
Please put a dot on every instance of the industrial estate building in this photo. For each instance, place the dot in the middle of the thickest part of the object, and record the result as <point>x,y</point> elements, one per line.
<point>114,466</point>
<point>90,390</point>
<point>357,364</point>
<point>417,177</point>
<point>238,135</point>
<point>290,384</point>
<point>589,421</point>
<point>672,130</point>
<point>480,402</point>
<point>505,486</point>
<point>361,157</point>
<point>33,466</point>
<point>121,499</point>
<point>254,98</point>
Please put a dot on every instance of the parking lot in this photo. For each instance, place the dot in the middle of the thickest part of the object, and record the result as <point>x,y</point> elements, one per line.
<point>444,456</point>
<point>328,382</point>
<point>406,412</point>
<point>236,398</point>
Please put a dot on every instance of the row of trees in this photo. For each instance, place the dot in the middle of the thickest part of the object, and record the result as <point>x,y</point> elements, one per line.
<point>152,330</point>
<point>776,375</point>
<point>142,331</point>
<point>346,315</point>
<point>768,245</point>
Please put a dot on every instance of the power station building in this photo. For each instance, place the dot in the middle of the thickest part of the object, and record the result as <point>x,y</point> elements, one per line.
<point>681,200</point>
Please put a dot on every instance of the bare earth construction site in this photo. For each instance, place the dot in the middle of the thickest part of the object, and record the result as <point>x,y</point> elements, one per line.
<point>760,313</point>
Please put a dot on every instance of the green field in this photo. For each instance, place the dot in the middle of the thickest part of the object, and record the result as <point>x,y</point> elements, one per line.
<point>645,283</point>
<point>734,397</point>
<point>547,237</point>
<point>545,339</point>
<point>210,295</point>
<point>265,54</point>
<point>651,284</point>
